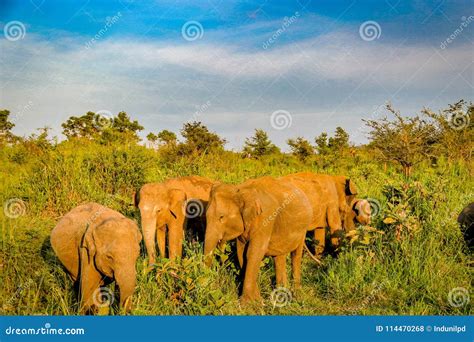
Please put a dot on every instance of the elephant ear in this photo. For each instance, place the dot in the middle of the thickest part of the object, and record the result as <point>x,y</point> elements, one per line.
<point>250,207</point>
<point>136,198</point>
<point>134,227</point>
<point>351,188</point>
<point>88,248</point>
<point>176,202</point>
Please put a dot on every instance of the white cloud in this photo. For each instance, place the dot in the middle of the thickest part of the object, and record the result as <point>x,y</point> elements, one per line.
<point>337,75</point>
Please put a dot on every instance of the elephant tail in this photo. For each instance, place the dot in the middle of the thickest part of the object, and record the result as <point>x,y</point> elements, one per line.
<point>319,262</point>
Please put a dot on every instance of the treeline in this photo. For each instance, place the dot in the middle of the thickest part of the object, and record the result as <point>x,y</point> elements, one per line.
<point>399,139</point>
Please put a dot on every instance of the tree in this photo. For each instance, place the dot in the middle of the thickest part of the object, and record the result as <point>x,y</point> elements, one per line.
<point>124,125</point>
<point>405,140</point>
<point>259,145</point>
<point>41,140</point>
<point>322,143</point>
<point>152,138</point>
<point>340,141</point>
<point>6,126</point>
<point>301,148</point>
<point>85,126</point>
<point>167,137</point>
<point>104,129</point>
<point>199,139</point>
<point>455,130</point>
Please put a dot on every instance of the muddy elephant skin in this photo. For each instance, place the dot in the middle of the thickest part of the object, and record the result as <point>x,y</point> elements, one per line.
<point>169,207</point>
<point>334,204</point>
<point>268,217</point>
<point>95,244</point>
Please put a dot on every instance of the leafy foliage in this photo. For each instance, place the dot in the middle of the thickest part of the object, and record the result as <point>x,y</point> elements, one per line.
<point>259,145</point>
<point>301,148</point>
<point>198,139</point>
<point>167,137</point>
<point>340,141</point>
<point>455,130</point>
<point>5,126</point>
<point>322,146</point>
<point>94,126</point>
<point>406,140</point>
<point>406,263</point>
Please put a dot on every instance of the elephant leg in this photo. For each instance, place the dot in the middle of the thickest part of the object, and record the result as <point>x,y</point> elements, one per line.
<point>255,253</point>
<point>335,226</point>
<point>90,282</point>
<point>296,257</point>
<point>240,253</point>
<point>176,235</point>
<point>161,240</point>
<point>280,270</point>
<point>320,239</point>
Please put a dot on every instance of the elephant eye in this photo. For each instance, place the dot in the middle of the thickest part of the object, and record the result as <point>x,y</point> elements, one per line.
<point>221,218</point>
<point>109,256</point>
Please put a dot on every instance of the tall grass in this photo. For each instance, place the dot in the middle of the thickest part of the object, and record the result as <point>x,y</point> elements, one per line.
<point>409,273</point>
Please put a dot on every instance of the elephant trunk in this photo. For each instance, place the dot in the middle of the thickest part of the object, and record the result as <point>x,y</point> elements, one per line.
<point>149,234</point>
<point>210,243</point>
<point>126,282</point>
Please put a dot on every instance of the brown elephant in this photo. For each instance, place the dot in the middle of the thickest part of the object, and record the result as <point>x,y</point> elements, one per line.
<point>334,203</point>
<point>268,217</point>
<point>168,206</point>
<point>95,244</point>
<point>466,223</point>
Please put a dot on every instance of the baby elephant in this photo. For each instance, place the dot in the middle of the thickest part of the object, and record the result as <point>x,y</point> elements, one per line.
<point>96,243</point>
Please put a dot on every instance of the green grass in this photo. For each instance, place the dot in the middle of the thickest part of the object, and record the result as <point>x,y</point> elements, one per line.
<point>411,275</point>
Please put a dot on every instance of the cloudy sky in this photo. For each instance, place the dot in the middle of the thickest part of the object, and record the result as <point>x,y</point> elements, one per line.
<point>293,69</point>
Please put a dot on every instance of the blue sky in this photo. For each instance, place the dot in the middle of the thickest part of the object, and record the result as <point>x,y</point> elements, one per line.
<point>319,69</point>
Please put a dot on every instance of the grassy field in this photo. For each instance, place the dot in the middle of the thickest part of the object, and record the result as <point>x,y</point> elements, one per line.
<point>411,265</point>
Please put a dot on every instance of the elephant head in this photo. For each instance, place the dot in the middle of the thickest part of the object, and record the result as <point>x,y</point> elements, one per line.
<point>110,249</point>
<point>360,213</point>
<point>230,213</point>
<point>162,207</point>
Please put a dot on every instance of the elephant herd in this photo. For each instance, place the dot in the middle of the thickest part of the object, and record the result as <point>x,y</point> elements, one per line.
<point>266,216</point>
